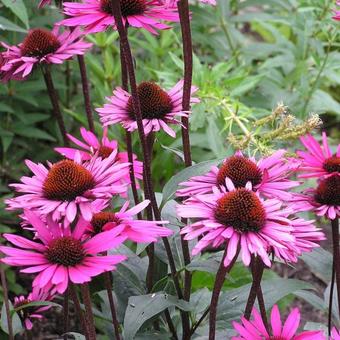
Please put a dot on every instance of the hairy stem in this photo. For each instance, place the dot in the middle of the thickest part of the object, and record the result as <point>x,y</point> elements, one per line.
<point>6,302</point>
<point>184,14</point>
<point>55,102</point>
<point>257,268</point>
<point>219,280</point>
<point>66,313</point>
<point>336,255</point>
<point>149,192</point>
<point>86,92</point>
<point>85,292</point>
<point>79,311</point>
<point>108,285</point>
<point>330,302</point>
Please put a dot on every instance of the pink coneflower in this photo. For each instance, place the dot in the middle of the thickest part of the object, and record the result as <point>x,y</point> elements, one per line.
<point>268,176</point>
<point>41,46</point>
<point>323,201</point>
<point>237,218</point>
<point>103,148</point>
<point>62,255</point>
<point>335,334</point>
<point>159,108</point>
<point>29,313</point>
<point>318,160</point>
<point>67,185</point>
<point>256,330</point>
<point>337,13</point>
<point>97,15</point>
<point>142,231</point>
<point>307,237</point>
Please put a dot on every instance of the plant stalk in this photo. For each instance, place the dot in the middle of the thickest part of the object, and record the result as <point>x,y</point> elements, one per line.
<point>330,303</point>
<point>55,102</point>
<point>219,280</point>
<point>108,286</point>
<point>78,310</point>
<point>85,292</point>
<point>66,313</point>
<point>336,255</point>
<point>257,268</point>
<point>149,192</point>
<point>86,91</point>
<point>6,302</point>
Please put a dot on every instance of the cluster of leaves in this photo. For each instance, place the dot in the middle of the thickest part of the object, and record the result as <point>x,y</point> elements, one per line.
<point>259,53</point>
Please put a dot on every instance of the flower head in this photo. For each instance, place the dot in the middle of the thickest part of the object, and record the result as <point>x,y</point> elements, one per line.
<point>97,15</point>
<point>140,231</point>
<point>60,256</point>
<point>268,176</point>
<point>91,146</point>
<point>29,313</point>
<point>335,334</point>
<point>237,218</point>
<point>68,185</point>
<point>256,330</point>
<point>318,160</point>
<point>324,200</point>
<point>337,13</point>
<point>41,46</point>
<point>158,108</point>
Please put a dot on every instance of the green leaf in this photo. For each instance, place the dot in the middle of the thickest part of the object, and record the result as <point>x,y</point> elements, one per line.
<point>144,307</point>
<point>6,25</point>
<point>37,304</point>
<point>320,263</point>
<point>18,8</point>
<point>171,187</point>
<point>76,336</point>
<point>31,132</point>
<point>16,322</point>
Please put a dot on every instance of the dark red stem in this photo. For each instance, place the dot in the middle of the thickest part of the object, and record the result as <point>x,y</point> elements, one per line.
<point>336,255</point>
<point>66,313</point>
<point>108,285</point>
<point>86,91</point>
<point>219,280</point>
<point>6,302</point>
<point>78,310</point>
<point>184,14</point>
<point>149,192</point>
<point>55,102</point>
<point>85,292</point>
<point>330,303</point>
<point>257,269</point>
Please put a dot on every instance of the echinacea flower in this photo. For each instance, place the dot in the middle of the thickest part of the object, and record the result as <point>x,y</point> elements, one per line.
<point>41,46</point>
<point>324,200</point>
<point>29,313</point>
<point>237,217</point>
<point>268,176</point>
<point>140,231</point>
<point>337,13</point>
<point>97,15</point>
<point>307,237</point>
<point>104,148</point>
<point>60,256</point>
<point>255,329</point>
<point>335,334</point>
<point>318,160</point>
<point>68,186</point>
<point>158,107</point>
